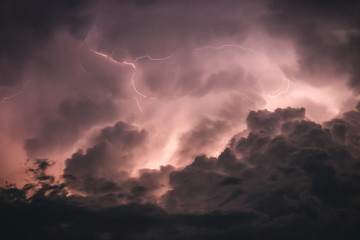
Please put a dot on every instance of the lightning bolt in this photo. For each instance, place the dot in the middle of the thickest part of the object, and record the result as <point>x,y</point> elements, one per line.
<point>154,59</point>
<point>78,57</point>
<point>138,104</point>
<point>242,93</point>
<point>227,46</point>
<point>280,92</point>
<point>248,50</point>
<point>82,69</point>
<point>107,57</point>
<point>8,98</point>
<point>221,47</point>
<point>133,79</point>
<point>133,66</point>
<point>211,47</point>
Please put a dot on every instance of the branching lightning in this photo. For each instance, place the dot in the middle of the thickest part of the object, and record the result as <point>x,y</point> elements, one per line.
<point>133,66</point>
<point>281,92</point>
<point>153,59</point>
<point>133,79</point>
<point>248,50</point>
<point>226,46</point>
<point>210,47</point>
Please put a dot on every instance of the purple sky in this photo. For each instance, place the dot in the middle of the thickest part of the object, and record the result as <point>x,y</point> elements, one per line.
<point>246,108</point>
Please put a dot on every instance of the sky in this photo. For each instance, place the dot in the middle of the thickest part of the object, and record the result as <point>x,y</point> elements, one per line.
<point>164,119</point>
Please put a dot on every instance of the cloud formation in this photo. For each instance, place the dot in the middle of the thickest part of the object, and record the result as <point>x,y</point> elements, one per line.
<point>326,36</point>
<point>288,173</point>
<point>153,119</point>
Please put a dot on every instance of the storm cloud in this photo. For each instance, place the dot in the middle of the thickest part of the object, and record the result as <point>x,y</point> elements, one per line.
<point>287,176</point>
<point>154,119</point>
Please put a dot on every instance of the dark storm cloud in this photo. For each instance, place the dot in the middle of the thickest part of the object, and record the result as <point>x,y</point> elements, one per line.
<point>326,36</point>
<point>74,116</point>
<point>57,59</point>
<point>107,161</point>
<point>269,122</point>
<point>186,72</point>
<point>168,26</point>
<point>289,178</point>
<point>284,164</point>
<point>295,179</point>
<point>346,130</point>
<point>204,135</point>
<point>26,25</point>
<point>102,172</point>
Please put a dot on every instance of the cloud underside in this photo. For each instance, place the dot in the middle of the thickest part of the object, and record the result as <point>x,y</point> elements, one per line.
<point>289,177</point>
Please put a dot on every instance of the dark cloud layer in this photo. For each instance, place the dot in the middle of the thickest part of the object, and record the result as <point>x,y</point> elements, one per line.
<point>105,162</point>
<point>204,134</point>
<point>287,165</point>
<point>26,26</point>
<point>134,82</point>
<point>289,178</point>
<point>168,26</point>
<point>326,35</point>
<point>74,117</point>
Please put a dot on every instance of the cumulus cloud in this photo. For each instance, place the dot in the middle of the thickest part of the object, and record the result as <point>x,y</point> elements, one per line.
<point>74,117</point>
<point>108,160</point>
<point>207,133</point>
<point>288,173</point>
<point>284,162</point>
<point>125,111</point>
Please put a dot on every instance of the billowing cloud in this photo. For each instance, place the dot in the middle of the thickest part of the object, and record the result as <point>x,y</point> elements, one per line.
<point>288,173</point>
<point>150,119</point>
<point>63,131</point>
<point>107,161</point>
